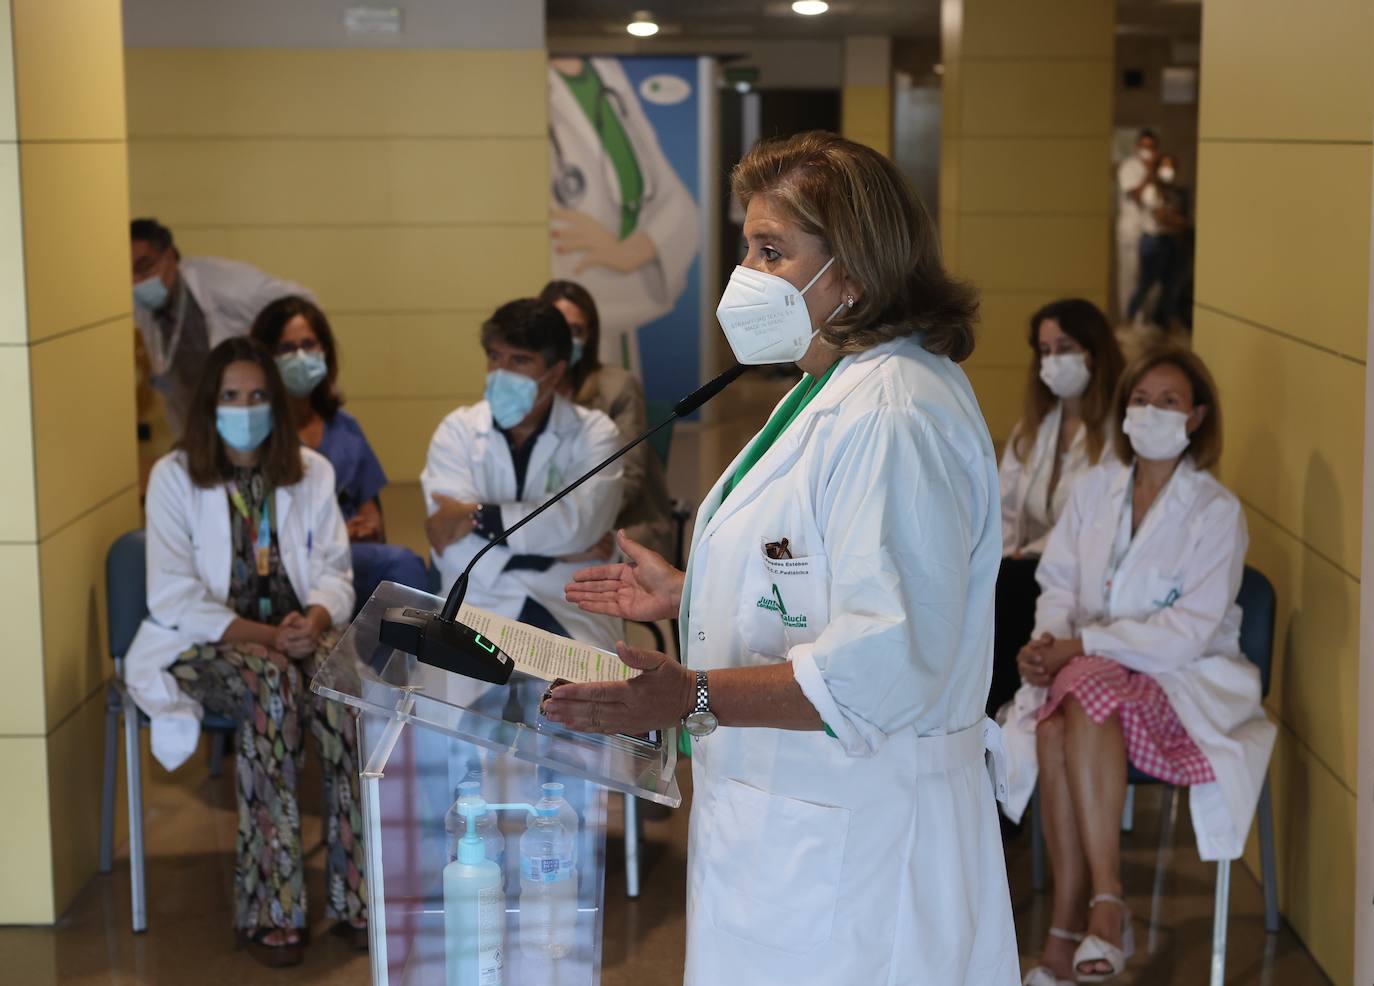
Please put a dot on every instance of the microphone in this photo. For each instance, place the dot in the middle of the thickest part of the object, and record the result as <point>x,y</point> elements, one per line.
<point>438,639</point>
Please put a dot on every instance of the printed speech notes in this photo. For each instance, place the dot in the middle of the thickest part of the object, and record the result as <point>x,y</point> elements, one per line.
<point>546,655</point>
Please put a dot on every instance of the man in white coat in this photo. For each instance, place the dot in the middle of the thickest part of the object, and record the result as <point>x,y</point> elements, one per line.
<point>493,463</point>
<point>186,306</point>
<point>625,226</point>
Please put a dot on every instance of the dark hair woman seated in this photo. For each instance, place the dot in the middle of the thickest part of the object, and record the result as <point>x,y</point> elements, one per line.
<point>248,586</point>
<point>296,332</point>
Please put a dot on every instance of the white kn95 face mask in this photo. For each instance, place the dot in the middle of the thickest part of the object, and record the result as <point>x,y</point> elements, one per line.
<point>765,317</point>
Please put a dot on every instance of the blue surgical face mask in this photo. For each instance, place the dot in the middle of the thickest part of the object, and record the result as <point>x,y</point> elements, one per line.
<point>579,349</point>
<point>150,293</point>
<point>302,371</point>
<point>511,396</point>
<point>243,428</point>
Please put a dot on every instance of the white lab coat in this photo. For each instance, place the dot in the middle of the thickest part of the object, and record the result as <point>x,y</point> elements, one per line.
<point>229,293</point>
<point>873,856</point>
<point>1130,223</point>
<point>190,548</point>
<point>469,460</point>
<point>1028,512</point>
<point>668,215</point>
<point>1191,547</point>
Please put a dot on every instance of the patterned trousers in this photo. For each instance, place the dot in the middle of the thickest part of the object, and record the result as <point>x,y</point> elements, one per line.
<point>268,693</point>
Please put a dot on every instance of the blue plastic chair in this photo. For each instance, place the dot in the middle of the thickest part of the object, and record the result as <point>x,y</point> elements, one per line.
<point>127,604</point>
<point>1258,607</point>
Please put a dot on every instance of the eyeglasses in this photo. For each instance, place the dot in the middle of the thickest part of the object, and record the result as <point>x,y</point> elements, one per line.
<point>291,348</point>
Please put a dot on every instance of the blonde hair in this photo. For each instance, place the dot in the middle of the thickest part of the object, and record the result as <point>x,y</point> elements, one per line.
<point>879,233</point>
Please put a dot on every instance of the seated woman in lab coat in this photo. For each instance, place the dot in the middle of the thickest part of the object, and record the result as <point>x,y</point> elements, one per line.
<point>1136,658</point>
<point>1063,432</point>
<point>492,463</point>
<point>248,581</point>
<point>647,512</point>
<point>295,330</point>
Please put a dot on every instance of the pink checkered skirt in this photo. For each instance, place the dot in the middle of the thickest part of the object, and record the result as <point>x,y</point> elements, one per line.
<point>1156,742</point>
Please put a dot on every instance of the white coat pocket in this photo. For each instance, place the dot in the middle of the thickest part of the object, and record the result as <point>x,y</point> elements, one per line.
<point>785,602</point>
<point>1164,590</point>
<point>776,862</point>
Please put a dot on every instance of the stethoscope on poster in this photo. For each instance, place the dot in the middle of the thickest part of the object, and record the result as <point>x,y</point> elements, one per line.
<point>570,181</point>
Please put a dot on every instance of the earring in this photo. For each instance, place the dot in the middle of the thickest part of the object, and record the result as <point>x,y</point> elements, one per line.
<point>850,301</point>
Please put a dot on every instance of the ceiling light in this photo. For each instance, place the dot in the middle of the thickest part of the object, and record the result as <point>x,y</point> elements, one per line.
<point>810,8</point>
<point>643,25</point>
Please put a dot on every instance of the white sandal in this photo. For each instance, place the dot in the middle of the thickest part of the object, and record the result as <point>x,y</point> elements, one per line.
<point>1095,949</point>
<point>1041,975</point>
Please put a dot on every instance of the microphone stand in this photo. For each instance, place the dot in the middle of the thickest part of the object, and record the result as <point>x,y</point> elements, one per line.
<point>439,639</point>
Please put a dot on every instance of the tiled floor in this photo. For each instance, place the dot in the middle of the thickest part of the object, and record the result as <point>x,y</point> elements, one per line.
<point>190,835</point>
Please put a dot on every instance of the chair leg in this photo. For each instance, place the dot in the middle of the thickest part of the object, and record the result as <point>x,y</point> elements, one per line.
<point>1128,810</point>
<point>1037,845</point>
<point>134,767</point>
<point>107,786</point>
<point>217,744</point>
<point>1219,918</point>
<point>631,847</point>
<point>1268,867</point>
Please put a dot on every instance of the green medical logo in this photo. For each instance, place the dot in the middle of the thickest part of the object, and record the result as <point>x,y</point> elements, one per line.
<point>774,604</point>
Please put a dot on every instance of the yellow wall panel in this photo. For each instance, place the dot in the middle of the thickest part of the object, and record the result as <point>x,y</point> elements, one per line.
<point>399,430</point>
<point>19,518</point>
<point>74,775</point>
<point>1316,645</point>
<point>21,700</point>
<point>1276,69</point>
<point>1040,28</point>
<point>1294,437</point>
<point>1284,238</point>
<point>307,182</point>
<point>83,415</point>
<point>76,234</point>
<point>9,130</point>
<point>1001,393</point>
<point>395,268</point>
<point>1062,255</point>
<point>1035,175</point>
<point>407,355</point>
<point>1314,824</point>
<point>26,889</point>
<point>13,311</point>
<point>72,562</point>
<point>1003,328</point>
<point>1037,98</point>
<point>69,69</point>
<point>294,93</point>
<point>866,116</point>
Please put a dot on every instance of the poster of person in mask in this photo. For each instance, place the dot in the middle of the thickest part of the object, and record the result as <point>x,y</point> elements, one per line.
<point>623,135</point>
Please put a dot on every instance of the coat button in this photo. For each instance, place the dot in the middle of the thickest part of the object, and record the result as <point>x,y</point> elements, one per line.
<point>701,634</point>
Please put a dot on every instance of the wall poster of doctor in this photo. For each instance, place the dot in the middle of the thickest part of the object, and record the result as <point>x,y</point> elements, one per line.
<point>623,157</point>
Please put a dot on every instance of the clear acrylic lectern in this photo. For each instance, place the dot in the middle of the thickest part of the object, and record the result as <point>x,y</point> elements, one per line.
<point>423,732</point>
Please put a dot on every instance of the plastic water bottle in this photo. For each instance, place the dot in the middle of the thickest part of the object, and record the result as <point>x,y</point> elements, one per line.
<point>553,791</point>
<point>548,884</point>
<point>484,824</point>
<point>474,909</point>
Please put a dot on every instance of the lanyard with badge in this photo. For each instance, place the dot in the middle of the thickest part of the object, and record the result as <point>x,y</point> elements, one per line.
<point>262,522</point>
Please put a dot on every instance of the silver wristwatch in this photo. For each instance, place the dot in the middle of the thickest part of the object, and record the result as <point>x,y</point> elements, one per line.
<point>701,721</point>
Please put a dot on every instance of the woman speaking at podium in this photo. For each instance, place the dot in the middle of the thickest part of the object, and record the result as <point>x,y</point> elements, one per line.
<point>836,611</point>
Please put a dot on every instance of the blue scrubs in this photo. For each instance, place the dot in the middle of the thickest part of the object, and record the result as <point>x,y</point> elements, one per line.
<point>358,478</point>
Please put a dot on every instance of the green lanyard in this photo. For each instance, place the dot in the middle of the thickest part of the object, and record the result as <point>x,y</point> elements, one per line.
<point>603,108</point>
<point>790,409</point>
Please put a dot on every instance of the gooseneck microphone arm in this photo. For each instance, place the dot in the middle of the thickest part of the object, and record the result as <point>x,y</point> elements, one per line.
<point>439,639</point>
